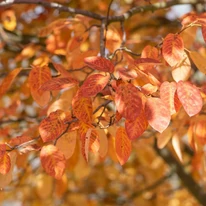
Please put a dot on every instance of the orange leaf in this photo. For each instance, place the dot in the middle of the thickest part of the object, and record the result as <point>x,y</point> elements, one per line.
<point>94,84</point>
<point>150,52</point>
<point>204,32</point>
<point>128,101</point>
<point>37,77</point>
<point>53,161</point>
<point>2,149</point>
<point>5,164</point>
<point>103,141</point>
<point>61,69</point>
<point>164,137</point>
<point>58,84</point>
<point>94,143</point>
<point>82,107</point>
<point>173,49</point>
<point>19,140</point>
<point>123,145</point>
<point>146,61</point>
<point>136,128</point>
<point>190,97</point>
<point>167,95</point>
<point>199,61</point>
<point>67,143</point>
<point>182,70</point>
<point>53,126</point>
<point>157,113</point>
<point>8,18</point>
<point>99,63</point>
<point>8,80</point>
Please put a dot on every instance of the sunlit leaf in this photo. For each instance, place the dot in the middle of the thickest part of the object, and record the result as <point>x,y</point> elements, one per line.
<point>173,49</point>
<point>82,107</point>
<point>190,97</point>
<point>204,32</point>
<point>135,129</point>
<point>8,80</point>
<point>128,101</point>
<point>164,137</point>
<point>94,84</point>
<point>67,143</point>
<point>182,70</point>
<point>8,18</point>
<point>167,95</point>
<point>198,60</point>
<point>103,141</point>
<point>52,126</point>
<point>58,84</point>
<point>157,113</point>
<point>5,164</point>
<point>99,63</point>
<point>122,145</point>
<point>37,77</point>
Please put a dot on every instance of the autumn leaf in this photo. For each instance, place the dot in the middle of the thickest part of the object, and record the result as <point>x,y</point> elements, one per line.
<point>8,80</point>
<point>157,114</point>
<point>182,70</point>
<point>99,63</point>
<point>123,145</point>
<point>168,96</point>
<point>204,32</point>
<point>58,84</point>
<point>128,101</point>
<point>103,142</point>
<point>5,164</point>
<point>93,85</point>
<point>82,107</point>
<point>190,97</point>
<point>37,77</point>
<point>173,49</point>
<point>52,126</point>
<point>67,143</point>
<point>2,149</point>
<point>146,61</point>
<point>135,129</point>
<point>53,161</point>
<point>199,61</point>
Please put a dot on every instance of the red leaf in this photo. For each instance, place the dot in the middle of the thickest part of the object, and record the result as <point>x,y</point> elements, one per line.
<point>146,61</point>
<point>5,164</point>
<point>53,126</point>
<point>58,84</point>
<point>157,114</point>
<point>53,161</point>
<point>122,145</point>
<point>173,49</point>
<point>2,149</point>
<point>136,128</point>
<point>128,101</point>
<point>190,97</point>
<point>99,63</point>
<point>94,84</point>
<point>167,95</point>
<point>37,77</point>
<point>82,107</point>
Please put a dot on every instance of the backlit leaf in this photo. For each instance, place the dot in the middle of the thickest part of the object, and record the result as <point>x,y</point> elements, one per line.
<point>99,63</point>
<point>190,97</point>
<point>8,80</point>
<point>37,77</point>
<point>53,161</point>
<point>167,95</point>
<point>58,84</point>
<point>67,143</point>
<point>8,19</point>
<point>146,61</point>
<point>164,137</point>
<point>82,107</point>
<point>199,61</point>
<point>176,146</point>
<point>173,49</point>
<point>5,164</point>
<point>123,145</point>
<point>7,178</point>
<point>52,126</point>
<point>2,149</point>
<point>103,141</point>
<point>94,84</point>
<point>128,101</point>
<point>182,70</point>
<point>204,32</point>
<point>157,113</point>
<point>136,128</point>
